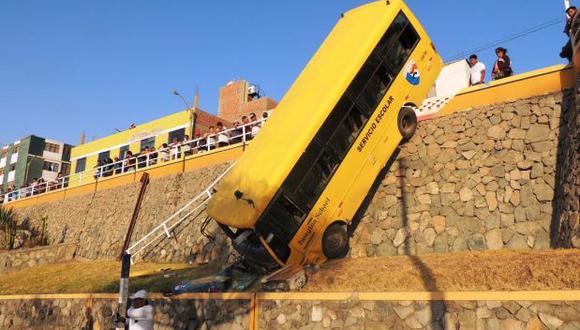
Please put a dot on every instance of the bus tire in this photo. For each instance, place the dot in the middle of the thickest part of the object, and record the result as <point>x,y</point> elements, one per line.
<point>335,241</point>
<point>407,123</point>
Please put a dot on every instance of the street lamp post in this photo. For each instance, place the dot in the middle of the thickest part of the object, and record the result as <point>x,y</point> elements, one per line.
<point>192,113</point>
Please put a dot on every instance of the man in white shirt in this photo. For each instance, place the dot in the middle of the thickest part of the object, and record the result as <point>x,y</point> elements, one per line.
<point>477,71</point>
<point>140,315</point>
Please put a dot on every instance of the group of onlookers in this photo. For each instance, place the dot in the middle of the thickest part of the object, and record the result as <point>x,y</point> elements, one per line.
<point>501,68</point>
<point>35,187</point>
<point>216,137</point>
<point>220,136</point>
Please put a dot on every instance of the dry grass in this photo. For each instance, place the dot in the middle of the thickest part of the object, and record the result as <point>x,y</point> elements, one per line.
<point>97,277</point>
<point>465,271</point>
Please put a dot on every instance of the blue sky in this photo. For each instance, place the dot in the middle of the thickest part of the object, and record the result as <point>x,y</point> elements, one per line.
<point>68,67</point>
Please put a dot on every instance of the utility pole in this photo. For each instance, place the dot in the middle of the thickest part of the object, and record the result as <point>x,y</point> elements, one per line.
<point>193,113</point>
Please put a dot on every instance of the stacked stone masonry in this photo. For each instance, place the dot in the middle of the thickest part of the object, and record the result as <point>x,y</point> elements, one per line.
<point>482,179</point>
<point>99,221</point>
<point>567,223</point>
<point>98,314</point>
<point>491,315</point>
<point>474,180</point>
<point>19,259</point>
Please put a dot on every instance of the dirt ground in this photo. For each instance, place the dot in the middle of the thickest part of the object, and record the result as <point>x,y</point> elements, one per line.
<point>98,277</point>
<point>463,271</point>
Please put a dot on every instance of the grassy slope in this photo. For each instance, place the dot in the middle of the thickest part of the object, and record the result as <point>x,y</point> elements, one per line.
<point>465,271</point>
<point>96,277</point>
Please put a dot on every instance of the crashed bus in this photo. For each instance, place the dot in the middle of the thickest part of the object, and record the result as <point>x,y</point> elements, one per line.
<point>292,194</point>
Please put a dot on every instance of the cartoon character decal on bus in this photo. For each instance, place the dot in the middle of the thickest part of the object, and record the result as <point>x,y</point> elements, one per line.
<point>413,74</point>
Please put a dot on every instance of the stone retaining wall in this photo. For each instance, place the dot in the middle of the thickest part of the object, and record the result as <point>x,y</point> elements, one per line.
<point>98,314</point>
<point>18,259</point>
<point>566,222</point>
<point>491,315</point>
<point>474,180</point>
<point>99,221</point>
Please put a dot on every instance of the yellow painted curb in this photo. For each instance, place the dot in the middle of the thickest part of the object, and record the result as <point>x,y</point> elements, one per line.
<point>562,295</point>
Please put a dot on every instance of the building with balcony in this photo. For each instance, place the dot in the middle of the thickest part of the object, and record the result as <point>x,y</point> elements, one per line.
<point>86,156</point>
<point>32,158</point>
<point>236,99</point>
<point>240,98</point>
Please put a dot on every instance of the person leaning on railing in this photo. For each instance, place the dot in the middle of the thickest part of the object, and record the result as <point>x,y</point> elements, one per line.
<point>187,149</point>
<point>175,148</point>
<point>164,152</point>
<point>40,186</point>
<point>129,161</point>
<point>210,138</point>
<point>237,133</point>
<point>118,166</point>
<point>247,127</point>
<point>108,167</point>
<point>223,138</point>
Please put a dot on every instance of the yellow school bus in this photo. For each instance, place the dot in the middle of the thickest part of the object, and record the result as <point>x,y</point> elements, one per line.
<point>292,194</point>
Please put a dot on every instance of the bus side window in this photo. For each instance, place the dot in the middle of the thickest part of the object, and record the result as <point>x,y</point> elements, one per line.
<point>375,90</point>
<point>401,50</point>
<point>336,116</point>
<point>302,166</point>
<point>284,219</point>
<point>392,34</point>
<point>355,122</point>
<point>316,178</point>
<point>363,76</point>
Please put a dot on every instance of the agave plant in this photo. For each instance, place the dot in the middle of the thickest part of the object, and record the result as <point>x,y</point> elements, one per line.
<point>8,226</point>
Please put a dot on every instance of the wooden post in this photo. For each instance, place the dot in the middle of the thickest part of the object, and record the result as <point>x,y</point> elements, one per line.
<point>144,183</point>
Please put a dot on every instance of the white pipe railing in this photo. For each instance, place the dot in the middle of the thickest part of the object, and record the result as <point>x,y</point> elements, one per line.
<point>165,228</point>
<point>235,135</point>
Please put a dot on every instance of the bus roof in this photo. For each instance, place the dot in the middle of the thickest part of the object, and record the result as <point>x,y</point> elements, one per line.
<point>266,163</point>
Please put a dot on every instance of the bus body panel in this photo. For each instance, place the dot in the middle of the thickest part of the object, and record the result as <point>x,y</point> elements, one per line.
<point>263,167</point>
<point>351,181</point>
<point>372,162</point>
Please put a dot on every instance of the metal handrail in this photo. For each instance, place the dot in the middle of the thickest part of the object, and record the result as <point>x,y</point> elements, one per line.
<point>126,165</point>
<point>165,227</point>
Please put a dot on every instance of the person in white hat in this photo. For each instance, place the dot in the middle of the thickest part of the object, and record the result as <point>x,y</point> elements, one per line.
<point>140,314</point>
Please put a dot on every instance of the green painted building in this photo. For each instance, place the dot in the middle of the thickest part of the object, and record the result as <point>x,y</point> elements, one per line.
<point>32,158</point>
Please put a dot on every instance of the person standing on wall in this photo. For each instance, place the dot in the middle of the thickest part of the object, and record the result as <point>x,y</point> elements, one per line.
<point>477,71</point>
<point>502,67</point>
<point>567,51</point>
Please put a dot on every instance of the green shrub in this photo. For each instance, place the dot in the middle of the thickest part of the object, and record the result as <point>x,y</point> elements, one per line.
<point>8,226</point>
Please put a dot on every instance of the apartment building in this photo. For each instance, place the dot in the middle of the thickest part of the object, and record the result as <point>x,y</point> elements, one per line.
<point>30,158</point>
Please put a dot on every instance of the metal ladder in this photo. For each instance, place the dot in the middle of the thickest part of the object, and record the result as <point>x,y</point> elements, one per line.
<point>196,204</point>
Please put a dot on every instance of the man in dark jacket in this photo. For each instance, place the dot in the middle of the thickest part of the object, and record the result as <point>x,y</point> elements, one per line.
<point>567,51</point>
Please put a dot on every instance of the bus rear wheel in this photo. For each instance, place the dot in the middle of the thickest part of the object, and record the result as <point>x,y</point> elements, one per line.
<point>407,123</point>
<point>335,241</point>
